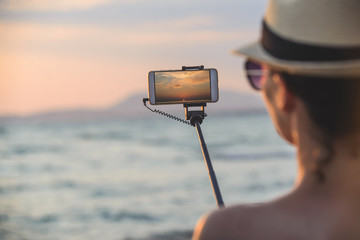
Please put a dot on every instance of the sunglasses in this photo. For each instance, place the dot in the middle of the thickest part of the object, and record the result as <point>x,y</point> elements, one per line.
<point>256,73</point>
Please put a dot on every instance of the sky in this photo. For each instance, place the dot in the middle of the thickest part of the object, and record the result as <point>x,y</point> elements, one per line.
<point>69,54</point>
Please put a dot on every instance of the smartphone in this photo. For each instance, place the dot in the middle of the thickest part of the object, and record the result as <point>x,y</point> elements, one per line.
<point>183,86</point>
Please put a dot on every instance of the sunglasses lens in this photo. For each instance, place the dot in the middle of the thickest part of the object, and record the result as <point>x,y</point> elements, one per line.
<point>255,74</point>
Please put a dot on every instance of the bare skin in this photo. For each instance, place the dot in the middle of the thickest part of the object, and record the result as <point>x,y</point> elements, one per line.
<point>313,209</point>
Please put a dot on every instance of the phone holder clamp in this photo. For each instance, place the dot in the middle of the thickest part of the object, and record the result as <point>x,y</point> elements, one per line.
<point>195,115</point>
<point>185,68</point>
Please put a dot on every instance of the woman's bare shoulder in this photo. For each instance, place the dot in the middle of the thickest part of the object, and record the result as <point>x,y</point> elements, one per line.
<point>235,222</point>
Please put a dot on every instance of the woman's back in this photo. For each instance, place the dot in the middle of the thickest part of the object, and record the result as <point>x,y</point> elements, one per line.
<point>297,216</point>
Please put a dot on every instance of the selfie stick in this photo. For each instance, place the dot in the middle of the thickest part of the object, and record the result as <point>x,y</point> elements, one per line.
<point>196,118</point>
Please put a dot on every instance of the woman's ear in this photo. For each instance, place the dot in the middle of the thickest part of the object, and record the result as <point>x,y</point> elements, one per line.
<point>284,99</point>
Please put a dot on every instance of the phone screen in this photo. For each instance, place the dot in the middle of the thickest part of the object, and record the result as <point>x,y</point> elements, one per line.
<point>182,86</point>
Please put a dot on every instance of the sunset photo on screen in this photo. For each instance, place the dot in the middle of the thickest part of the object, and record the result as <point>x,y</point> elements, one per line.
<point>182,86</point>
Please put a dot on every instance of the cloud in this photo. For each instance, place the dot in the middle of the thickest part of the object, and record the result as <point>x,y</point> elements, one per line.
<point>181,79</point>
<point>41,36</point>
<point>49,5</point>
<point>183,23</point>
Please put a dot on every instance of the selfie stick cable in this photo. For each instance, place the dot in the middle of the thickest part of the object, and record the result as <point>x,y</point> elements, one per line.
<point>196,118</point>
<point>145,100</point>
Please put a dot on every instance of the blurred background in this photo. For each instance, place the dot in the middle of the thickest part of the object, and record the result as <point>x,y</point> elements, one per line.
<point>80,156</point>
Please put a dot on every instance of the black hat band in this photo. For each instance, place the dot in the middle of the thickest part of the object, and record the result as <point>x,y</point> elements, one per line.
<point>285,49</point>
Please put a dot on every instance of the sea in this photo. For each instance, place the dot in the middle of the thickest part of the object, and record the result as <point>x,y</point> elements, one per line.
<point>133,179</point>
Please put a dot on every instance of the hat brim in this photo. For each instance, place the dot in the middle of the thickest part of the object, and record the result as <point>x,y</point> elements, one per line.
<point>348,68</point>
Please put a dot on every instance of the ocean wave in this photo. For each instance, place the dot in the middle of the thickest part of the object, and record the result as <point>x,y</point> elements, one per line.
<point>171,235</point>
<point>262,186</point>
<point>3,131</point>
<point>113,135</point>
<point>105,192</point>
<point>4,218</point>
<point>64,184</point>
<point>30,187</point>
<point>23,149</point>
<point>14,188</point>
<point>48,218</point>
<point>124,215</point>
<point>261,155</point>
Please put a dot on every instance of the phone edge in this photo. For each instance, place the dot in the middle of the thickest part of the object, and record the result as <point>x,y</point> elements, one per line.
<point>214,82</point>
<point>151,87</point>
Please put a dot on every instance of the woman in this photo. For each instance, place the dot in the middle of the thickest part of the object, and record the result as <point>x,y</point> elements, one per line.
<point>307,67</point>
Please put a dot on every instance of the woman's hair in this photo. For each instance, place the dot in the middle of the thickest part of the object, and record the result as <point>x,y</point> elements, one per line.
<point>331,102</point>
<point>333,106</point>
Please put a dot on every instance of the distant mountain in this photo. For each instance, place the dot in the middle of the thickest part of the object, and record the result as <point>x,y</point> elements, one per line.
<point>230,102</point>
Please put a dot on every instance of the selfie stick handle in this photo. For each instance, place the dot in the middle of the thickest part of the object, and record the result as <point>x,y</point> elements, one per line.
<point>196,118</point>
<point>212,175</point>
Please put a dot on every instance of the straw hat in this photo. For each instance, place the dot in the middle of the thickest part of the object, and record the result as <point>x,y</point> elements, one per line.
<point>310,37</point>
